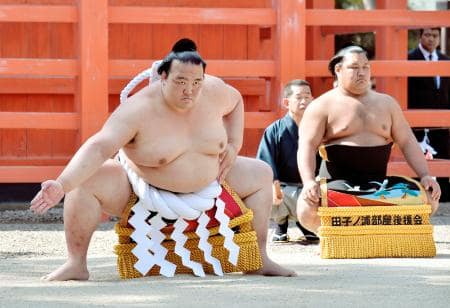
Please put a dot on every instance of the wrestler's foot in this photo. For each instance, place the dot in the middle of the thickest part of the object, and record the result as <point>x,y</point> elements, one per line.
<point>271,268</point>
<point>68,271</point>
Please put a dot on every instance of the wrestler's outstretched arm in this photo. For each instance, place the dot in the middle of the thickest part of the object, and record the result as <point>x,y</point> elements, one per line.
<point>117,131</point>
<point>405,139</point>
<point>234,125</point>
<point>311,133</point>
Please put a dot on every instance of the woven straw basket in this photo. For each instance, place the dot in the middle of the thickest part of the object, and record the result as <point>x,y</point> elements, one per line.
<point>245,237</point>
<point>375,231</point>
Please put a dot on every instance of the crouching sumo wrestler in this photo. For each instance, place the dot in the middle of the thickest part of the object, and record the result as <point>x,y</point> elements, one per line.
<point>177,138</point>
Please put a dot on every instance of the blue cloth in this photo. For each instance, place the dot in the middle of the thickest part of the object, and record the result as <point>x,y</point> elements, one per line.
<point>278,148</point>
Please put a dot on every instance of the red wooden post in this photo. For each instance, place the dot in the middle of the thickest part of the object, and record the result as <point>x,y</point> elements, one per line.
<point>291,35</point>
<point>92,94</point>
<point>392,44</point>
<point>320,47</point>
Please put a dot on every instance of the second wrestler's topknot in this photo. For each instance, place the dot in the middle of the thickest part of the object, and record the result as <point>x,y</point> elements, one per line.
<point>341,54</point>
<point>184,44</point>
<point>185,51</point>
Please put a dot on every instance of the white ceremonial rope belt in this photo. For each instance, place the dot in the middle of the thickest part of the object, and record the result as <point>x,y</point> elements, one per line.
<point>179,207</point>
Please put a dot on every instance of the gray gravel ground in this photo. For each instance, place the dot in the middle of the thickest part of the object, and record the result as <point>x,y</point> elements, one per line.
<point>33,246</point>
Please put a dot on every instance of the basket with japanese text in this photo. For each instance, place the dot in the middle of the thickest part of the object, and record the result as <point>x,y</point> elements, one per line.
<point>392,220</point>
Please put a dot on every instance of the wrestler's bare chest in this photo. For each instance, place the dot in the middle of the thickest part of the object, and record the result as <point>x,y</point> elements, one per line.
<point>165,138</point>
<point>361,122</point>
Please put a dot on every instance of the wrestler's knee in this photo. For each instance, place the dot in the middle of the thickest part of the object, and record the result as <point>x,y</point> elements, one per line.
<point>306,213</point>
<point>110,171</point>
<point>249,178</point>
<point>109,185</point>
<point>258,172</point>
<point>265,172</point>
<point>434,206</point>
<point>434,203</point>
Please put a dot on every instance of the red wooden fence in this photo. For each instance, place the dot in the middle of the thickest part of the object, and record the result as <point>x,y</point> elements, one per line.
<point>63,63</point>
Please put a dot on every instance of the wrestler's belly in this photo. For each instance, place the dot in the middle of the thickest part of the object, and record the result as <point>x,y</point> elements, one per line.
<point>187,173</point>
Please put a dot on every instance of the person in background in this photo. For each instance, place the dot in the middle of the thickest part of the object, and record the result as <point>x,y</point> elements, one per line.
<point>431,93</point>
<point>278,148</point>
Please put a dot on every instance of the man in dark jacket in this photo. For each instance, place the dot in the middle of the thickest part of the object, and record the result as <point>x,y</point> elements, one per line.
<point>428,92</point>
<point>431,93</point>
<point>278,148</point>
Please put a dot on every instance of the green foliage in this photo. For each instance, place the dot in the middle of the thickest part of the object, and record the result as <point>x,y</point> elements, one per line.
<point>413,39</point>
<point>365,40</point>
<point>349,4</point>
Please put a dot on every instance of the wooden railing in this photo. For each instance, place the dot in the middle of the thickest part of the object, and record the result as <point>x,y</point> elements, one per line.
<point>87,76</point>
<point>301,39</point>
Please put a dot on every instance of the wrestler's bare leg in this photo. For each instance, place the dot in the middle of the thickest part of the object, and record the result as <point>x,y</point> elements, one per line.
<point>434,203</point>
<point>307,215</point>
<point>107,190</point>
<point>252,181</point>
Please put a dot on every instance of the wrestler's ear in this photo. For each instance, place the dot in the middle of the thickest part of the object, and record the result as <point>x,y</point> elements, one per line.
<point>337,68</point>
<point>163,78</point>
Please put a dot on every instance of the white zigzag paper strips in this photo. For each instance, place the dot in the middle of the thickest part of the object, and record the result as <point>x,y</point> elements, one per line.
<point>180,239</point>
<point>206,247</point>
<point>148,236</point>
<point>227,233</point>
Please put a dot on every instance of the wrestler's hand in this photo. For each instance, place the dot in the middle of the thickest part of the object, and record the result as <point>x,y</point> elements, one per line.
<point>429,183</point>
<point>277,193</point>
<point>226,159</point>
<point>311,193</point>
<point>50,194</point>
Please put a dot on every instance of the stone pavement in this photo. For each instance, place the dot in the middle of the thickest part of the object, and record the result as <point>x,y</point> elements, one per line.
<point>30,249</point>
